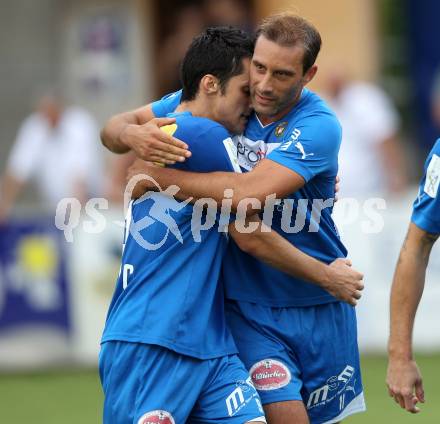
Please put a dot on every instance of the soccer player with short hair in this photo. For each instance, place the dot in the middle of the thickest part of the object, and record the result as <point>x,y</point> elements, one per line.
<point>167,355</point>
<point>298,341</point>
<point>404,379</point>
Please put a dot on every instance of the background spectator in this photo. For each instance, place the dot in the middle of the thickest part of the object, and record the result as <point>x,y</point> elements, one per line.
<point>57,147</point>
<point>371,159</point>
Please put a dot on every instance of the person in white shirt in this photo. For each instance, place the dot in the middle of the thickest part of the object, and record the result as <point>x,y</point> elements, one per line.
<point>58,149</point>
<point>371,161</point>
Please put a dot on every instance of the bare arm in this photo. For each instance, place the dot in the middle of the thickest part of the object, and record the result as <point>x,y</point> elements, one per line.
<point>139,131</point>
<point>251,185</point>
<point>338,278</point>
<point>403,378</point>
<point>111,133</point>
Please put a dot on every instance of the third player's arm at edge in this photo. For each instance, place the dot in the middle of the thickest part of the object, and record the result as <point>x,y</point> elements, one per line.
<point>403,378</point>
<point>252,188</point>
<point>139,130</point>
<point>338,278</point>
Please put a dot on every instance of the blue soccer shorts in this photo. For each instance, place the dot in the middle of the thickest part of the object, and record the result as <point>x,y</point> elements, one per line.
<point>309,354</point>
<point>148,384</point>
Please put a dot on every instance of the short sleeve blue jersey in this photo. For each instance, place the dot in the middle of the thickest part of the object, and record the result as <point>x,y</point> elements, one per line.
<point>168,292</point>
<point>426,208</point>
<point>307,141</point>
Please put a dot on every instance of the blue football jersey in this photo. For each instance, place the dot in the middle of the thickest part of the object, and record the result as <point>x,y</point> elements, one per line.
<point>426,208</point>
<point>307,141</point>
<point>168,291</point>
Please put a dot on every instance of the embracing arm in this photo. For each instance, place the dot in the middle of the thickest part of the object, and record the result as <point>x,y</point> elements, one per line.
<point>268,178</point>
<point>338,278</point>
<point>403,377</point>
<point>139,130</point>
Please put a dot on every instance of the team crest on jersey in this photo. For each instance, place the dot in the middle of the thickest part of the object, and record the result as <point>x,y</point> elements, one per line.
<point>270,374</point>
<point>156,417</point>
<point>279,130</point>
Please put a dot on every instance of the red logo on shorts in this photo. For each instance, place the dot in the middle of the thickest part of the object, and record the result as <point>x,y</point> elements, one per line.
<point>156,417</point>
<point>270,374</point>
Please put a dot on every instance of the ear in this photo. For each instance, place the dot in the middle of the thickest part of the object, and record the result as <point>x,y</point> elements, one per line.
<point>209,84</point>
<point>310,74</point>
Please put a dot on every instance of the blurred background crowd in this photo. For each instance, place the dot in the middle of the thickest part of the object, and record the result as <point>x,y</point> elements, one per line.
<point>69,65</point>
<point>379,70</point>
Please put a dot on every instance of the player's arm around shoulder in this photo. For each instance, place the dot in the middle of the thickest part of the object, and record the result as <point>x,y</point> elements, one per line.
<point>140,131</point>
<point>283,172</point>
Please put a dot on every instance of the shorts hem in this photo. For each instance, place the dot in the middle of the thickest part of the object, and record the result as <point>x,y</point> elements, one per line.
<point>356,406</point>
<point>261,418</point>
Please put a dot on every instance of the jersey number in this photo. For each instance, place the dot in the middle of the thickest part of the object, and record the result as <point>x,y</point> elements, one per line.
<point>127,270</point>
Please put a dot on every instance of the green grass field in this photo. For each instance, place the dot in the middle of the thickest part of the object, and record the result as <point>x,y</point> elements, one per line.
<point>72,397</point>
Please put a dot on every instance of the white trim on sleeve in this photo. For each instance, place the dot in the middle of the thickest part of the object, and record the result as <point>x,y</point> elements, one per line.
<point>432,177</point>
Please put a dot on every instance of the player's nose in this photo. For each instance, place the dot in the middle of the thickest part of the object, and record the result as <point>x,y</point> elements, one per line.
<point>265,85</point>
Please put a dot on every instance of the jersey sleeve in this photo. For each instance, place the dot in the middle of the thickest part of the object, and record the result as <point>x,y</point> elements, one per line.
<point>426,208</point>
<point>212,150</point>
<point>311,147</point>
<point>166,104</point>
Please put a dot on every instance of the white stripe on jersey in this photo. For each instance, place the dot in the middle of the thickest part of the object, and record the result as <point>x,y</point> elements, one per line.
<point>232,153</point>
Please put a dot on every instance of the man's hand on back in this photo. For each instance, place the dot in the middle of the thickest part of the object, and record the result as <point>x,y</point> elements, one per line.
<point>152,144</point>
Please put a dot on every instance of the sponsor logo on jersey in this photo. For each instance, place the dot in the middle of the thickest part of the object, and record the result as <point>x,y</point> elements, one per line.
<point>243,394</point>
<point>337,385</point>
<point>300,147</point>
<point>250,152</point>
<point>279,130</point>
<point>270,374</point>
<point>159,416</point>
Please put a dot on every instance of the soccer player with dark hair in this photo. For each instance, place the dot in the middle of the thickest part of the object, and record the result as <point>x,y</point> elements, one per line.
<point>404,379</point>
<point>167,355</point>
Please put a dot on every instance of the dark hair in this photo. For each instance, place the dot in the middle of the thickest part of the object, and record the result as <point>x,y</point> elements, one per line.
<point>288,29</point>
<point>218,51</point>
